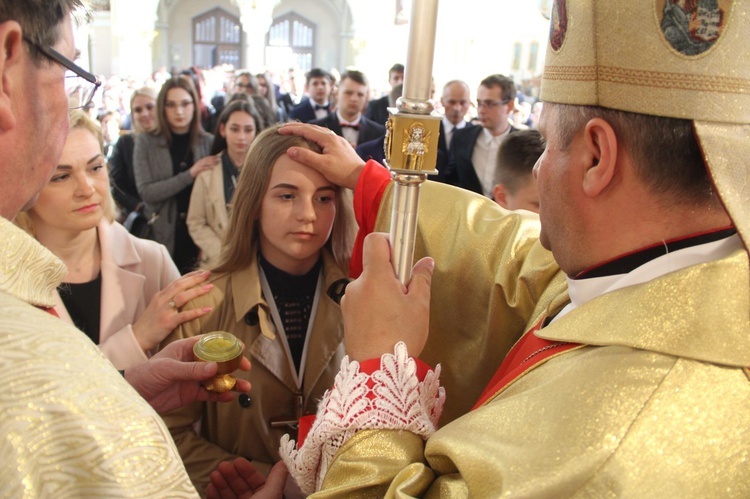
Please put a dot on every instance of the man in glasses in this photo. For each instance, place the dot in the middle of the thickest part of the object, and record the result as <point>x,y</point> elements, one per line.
<point>71,424</point>
<point>473,150</point>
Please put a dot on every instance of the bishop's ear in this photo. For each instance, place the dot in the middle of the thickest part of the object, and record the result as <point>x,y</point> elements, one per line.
<point>601,156</point>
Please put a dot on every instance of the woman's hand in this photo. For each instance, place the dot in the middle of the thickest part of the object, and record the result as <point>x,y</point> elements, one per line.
<point>163,314</point>
<point>204,164</point>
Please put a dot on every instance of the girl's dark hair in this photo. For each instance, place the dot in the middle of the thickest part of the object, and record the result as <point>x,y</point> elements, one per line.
<point>220,143</point>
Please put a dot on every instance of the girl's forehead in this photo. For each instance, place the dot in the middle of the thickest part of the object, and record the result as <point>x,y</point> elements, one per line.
<point>240,116</point>
<point>287,168</point>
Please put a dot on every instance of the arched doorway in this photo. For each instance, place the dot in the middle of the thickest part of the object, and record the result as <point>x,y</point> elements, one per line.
<point>295,35</point>
<point>217,39</point>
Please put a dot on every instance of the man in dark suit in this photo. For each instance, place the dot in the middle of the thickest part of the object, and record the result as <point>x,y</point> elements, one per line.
<point>473,150</point>
<point>456,100</point>
<point>348,121</point>
<point>316,105</point>
<point>377,109</point>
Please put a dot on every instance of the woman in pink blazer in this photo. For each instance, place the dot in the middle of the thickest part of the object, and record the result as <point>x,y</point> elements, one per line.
<point>123,292</point>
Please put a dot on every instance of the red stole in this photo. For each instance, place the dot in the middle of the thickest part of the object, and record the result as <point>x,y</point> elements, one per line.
<point>49,310</point>
<point>526,354</point>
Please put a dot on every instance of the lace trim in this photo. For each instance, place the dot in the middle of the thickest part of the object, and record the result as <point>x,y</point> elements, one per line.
<point>395,399</point>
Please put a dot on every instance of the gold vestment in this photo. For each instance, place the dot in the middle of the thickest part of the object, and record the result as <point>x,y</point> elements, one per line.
<point>71,426</point>
<point>654,406</point>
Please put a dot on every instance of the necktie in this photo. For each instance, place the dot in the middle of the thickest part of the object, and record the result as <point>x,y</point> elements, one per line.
<point>349,125</point>
<point>321,106</point>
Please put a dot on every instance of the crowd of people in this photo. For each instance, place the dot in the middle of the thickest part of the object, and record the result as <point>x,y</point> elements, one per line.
<point>576,323</point>
<point>176,158</point>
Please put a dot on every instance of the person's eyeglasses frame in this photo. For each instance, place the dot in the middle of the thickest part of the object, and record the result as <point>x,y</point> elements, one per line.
<point>57,57</point>
<point>491,103</point>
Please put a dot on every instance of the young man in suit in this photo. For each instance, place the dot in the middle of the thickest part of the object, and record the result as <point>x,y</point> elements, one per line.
<point>471,164</point>
<point>348,121</point>
<point>377,109</point>
<point>318,84</point>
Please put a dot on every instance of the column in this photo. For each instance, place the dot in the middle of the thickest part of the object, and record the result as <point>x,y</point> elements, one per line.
<point>133,25</point>
<point>256,17</point>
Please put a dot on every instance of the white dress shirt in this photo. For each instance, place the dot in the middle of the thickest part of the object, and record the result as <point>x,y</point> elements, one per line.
<point>319,113</point>
<point>582,291</point>
<point>484,158</point>
<point>349,133</point>
<point>449,128</point>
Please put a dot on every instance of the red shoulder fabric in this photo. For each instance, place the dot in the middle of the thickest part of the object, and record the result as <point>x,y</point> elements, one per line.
<point>49,310</point>
<point>367,196</point>
<point>526,354</point>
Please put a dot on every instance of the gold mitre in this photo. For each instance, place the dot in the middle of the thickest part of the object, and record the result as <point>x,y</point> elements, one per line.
<point>676,58</point>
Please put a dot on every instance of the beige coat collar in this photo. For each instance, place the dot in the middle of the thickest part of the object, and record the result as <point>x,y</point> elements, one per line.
<point>327,332</point>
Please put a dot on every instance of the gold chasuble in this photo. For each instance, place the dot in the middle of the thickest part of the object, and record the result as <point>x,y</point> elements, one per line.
<point>71,426</point>
<point>659,374</point>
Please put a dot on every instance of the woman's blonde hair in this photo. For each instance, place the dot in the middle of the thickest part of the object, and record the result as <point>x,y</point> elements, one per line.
<point>241,242</point>
<point>145,92</point>
<point>77,119</point>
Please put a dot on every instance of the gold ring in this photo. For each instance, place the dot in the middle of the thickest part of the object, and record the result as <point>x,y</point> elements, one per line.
<point>172,304</point>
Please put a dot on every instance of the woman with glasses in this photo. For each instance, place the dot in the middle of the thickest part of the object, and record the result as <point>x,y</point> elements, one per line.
<point>208,215</point>
<point>245,82</point>
<point>166,162</point>
<point>143,114</point>
<point>123,292</point>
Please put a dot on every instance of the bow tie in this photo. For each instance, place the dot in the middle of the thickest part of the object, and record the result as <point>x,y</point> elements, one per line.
<point>349,125</point>
<point>321,106</point>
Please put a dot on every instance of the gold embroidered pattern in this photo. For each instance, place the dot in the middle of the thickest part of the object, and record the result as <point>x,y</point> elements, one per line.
<point>657,79</point>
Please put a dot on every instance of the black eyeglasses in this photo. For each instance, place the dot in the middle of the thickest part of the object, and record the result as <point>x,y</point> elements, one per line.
<point>79,83</point>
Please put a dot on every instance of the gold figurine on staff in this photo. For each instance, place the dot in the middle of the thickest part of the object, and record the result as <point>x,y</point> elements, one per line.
<point>412,135</point>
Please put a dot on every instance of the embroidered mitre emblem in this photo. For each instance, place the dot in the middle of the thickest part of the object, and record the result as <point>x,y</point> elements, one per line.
<point>692,26</point>
<point>558,25</point>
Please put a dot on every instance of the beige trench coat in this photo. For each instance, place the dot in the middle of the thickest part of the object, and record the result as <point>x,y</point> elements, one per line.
<point>229,429</point>
<point>207,216</point>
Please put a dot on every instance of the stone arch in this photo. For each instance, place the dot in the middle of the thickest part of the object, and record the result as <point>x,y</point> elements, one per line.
<point>173,46</point>
<point>333,23</point>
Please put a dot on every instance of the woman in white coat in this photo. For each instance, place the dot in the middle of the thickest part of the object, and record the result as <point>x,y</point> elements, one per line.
<point>123,292</point>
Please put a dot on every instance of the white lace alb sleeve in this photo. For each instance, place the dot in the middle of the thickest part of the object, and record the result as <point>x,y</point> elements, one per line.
<point>391,398</point>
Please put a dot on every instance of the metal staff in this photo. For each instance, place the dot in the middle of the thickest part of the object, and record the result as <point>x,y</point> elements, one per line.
<point>412,136</point>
